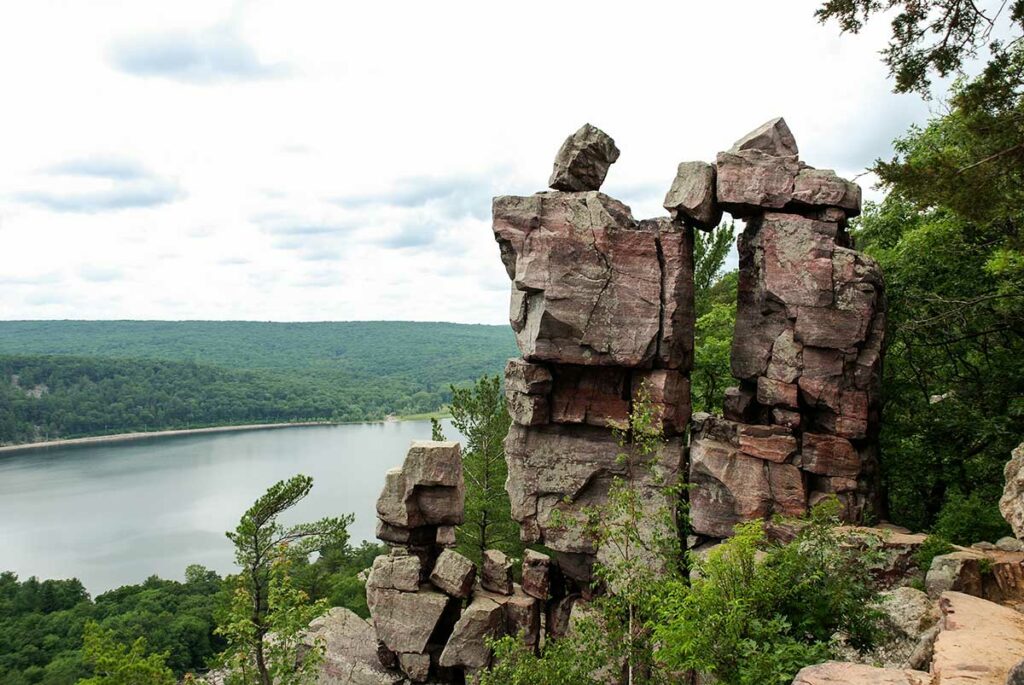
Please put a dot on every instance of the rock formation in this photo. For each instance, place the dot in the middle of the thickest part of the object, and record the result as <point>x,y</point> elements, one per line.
<point>1012,502</point>
<point>416,592</point>
<point>602,305</point>
<point>603,313</point>
<point>810,322</point>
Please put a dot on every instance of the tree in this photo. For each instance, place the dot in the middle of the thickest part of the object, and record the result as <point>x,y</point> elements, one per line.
<point>710,249</point>
<point>265,601</point>
<point>932,36</point>
<point>480,414</point>
<point>715,305</point>
<point>114,663</point>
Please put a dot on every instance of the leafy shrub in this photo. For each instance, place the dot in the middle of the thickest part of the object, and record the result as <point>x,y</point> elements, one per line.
<point>966,520</point>
<point>759,611</point>
<point>933,546</point>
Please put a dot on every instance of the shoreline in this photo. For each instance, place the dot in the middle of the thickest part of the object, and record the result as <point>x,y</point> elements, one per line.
<point>144,435</point>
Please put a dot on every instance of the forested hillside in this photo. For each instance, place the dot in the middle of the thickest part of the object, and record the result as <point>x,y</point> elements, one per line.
<point>73,378</point>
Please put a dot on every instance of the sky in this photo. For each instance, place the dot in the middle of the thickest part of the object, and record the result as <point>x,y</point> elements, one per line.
<point>309,161</point>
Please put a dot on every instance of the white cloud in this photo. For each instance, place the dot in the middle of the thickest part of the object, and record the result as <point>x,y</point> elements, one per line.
<point>328,161</point>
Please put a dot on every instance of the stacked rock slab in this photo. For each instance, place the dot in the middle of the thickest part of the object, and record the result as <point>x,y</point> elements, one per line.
<point>807,349</point>
<point>601,305</point>
<point>431,612</point>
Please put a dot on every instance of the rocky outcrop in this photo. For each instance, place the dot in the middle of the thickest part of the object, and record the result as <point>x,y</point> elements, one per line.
<point>843,673</point>
<point>992,574</point>
<point>432,611</point>
<point>602,308</point>
<point>979,642</point>
<point>350,651</point>
<point>810,323</point>
<point>1012,502</point>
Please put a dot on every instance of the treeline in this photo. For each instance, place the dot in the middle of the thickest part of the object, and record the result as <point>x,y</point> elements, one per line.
<point>42,622</point>
<point>61,379</point>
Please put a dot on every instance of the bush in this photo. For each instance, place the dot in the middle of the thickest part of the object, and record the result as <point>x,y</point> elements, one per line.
<point>933,546</point>
<point>966,520</point>
<point>759,611</point>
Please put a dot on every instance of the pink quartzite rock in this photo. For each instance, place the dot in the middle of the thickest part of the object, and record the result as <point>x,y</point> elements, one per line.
<point>777,393</point>
<point>978,643</point>
<point>350,650</point>
<point>566,469</point>
<point>570,305</point>
<point>583,160</point>
<point>772,138</point>
<point>797,255</point>
<point>395,571</point>
<point>1012,502</point>
<point>532,379</point>
<point>527,390</point>
<point>454,574</point>
<point>675,243</point>
<point>405,620</point>
<point>427,490</point>
<point>594,396</point>
<point>829,455</point>
<point>822,188</point>
<point>691,199</point>
<point>750,181</point>
<point>467,647</point>
<point>537,574</point>
<point>728,487</point>
<point>668,392</point>
<point>496,574</point>
<point>772,443</point>
<point>843,673</point>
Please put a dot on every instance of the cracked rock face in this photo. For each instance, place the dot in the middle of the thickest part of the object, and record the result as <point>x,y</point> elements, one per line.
<point>691,199</point>
<point>586,279</point>
<point>583,160</point>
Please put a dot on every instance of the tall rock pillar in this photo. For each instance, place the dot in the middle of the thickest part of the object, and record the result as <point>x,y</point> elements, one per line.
<point>810,321</point>
<point>601,305</point>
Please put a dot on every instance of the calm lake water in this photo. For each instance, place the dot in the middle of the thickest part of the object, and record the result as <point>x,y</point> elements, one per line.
<point>115,514</point>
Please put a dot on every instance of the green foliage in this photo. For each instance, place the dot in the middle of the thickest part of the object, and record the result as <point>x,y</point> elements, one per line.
<point>966,520</point>
<point>757,611</point>
<point>480,414</point>
<point>42,624</point>
<point>712,370</point>
<point>334,575</point>
<point>931,36</point>
<point>563,661</point>
<point>933,546</point>
<point>285,612</point>
<point>265,599</point>
<point>101,377</point>
<point>710,249</point>
<point>954,371</point>
<point>114,663</point>
<point>715,308</point>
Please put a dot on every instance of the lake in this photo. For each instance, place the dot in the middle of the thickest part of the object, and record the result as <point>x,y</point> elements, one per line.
<point>115,514</point>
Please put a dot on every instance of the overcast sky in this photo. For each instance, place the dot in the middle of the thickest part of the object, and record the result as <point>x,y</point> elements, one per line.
<point>301,161</point>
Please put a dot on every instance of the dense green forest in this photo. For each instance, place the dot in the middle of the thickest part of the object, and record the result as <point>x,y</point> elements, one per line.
<point>42,621</point>
<point>61,379</point>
